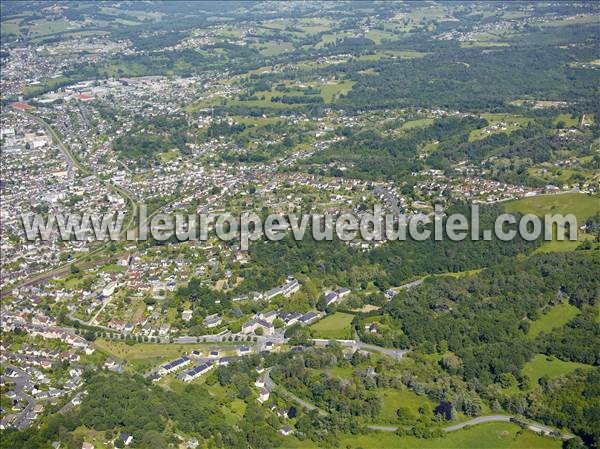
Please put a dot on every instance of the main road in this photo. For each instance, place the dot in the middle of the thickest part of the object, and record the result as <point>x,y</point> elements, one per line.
<point>533,426</point>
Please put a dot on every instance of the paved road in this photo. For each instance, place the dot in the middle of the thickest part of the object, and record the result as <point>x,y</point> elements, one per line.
<point>22,381</point>
<point>410,285</point>
<point>478,420</point>
<point>533,426</point>
<point>395,353</point>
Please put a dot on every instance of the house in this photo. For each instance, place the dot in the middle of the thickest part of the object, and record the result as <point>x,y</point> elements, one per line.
<point>174,365</point>
<point>125,260</point>
<point>212,320</point>
<point>186,315</point>
<point>126,439</point>
<point>330,298</point>
<point>7,421</point>
<point>291,318</point>
<point>256,323</point>
<point>269,317</point>
<point>225,360</point>
<point>213,354</point>
<point>260,382</point>
<point>193,443</point>
<point>343,291</point>
<point>290,287</point>
<point>195,372</point>
<point>196,354</point>
<point>389,294</point>
<point>263,395</point>
<point>372,328</point>
<point>286,431</point>
<point>308,318</point>
<point>109,289</point>
<point>244,350</point>
<point>87,446</point>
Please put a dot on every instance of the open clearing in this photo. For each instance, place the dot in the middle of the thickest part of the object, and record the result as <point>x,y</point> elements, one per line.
<point>335,326</point>
<point>556,317</point>
<point>332,92</point>
<point>583,206</point>
<point>393,399</point>
<point>143,356</point>
<point>543,365</point>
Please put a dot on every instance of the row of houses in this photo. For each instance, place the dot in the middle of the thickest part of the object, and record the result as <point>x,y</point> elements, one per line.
<point>287,289</point>
<point>195,372</point>
<point>333,296</point>
<point>174,365</point>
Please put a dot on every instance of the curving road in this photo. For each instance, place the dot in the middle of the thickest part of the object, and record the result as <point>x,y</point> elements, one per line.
<point>22,381</point>
<point>533,426</point>
<point>478,420</point>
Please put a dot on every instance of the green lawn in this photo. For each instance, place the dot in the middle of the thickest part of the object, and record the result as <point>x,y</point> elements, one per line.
<point>342,372</point>
<point>557,316</point>
<point>569,120</point>
<point>418,123</point>
<point>543,365</point>
<point>393,399</point>
<point>331,92</point>
<point>583,206</point>
<point>143,356</point>
<point>334,326</point>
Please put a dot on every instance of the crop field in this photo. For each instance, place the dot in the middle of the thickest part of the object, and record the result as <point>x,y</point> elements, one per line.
<point>334,326</point>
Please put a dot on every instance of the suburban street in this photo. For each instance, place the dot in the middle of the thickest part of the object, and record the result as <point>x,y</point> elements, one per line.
<point>21,382</point>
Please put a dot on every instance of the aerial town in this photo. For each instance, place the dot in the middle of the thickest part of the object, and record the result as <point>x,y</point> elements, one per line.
<point>296,108</point>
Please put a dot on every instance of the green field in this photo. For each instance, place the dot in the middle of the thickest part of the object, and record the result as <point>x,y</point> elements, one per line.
<point>418,123</point>
<point>513,122</point>
<point>342,372</point>
<point>335,326</point>
<point>583,206</point>
<point>394,399</point>
<point>402,54</point>
<point>557,316</point>
<point>483,436</point>
<point>143,356</point>
<point>331,92</point>
<point>543,365</point>
<point>569,120</point>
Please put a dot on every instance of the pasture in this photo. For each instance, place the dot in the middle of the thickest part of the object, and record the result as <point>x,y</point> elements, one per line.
<point>542,365</point>
<point>336,326</point>
<point>556,317</point>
